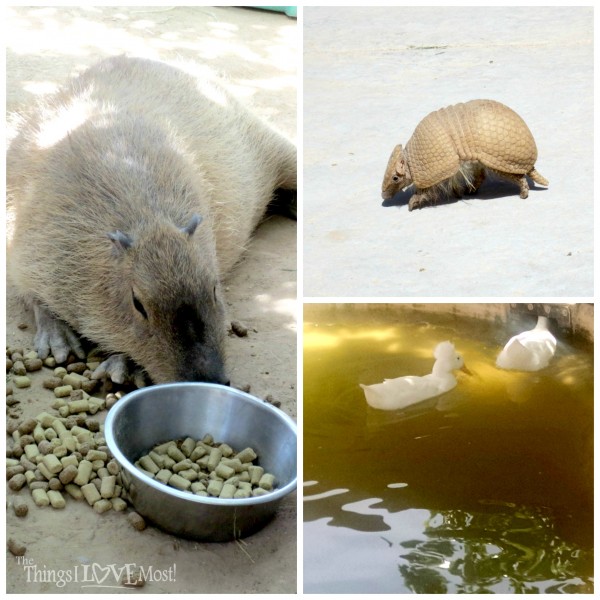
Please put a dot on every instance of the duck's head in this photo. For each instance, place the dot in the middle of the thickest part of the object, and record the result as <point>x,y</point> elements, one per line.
<point>445,353</point>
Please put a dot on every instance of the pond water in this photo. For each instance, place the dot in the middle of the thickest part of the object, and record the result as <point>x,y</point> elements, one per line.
<point>487,488</point>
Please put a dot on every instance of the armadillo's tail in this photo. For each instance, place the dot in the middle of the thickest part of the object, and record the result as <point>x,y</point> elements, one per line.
<point>533,174</point>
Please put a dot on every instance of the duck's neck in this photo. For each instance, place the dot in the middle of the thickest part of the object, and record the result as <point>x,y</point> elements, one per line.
<point>542,323</point>
<point>443,369</point>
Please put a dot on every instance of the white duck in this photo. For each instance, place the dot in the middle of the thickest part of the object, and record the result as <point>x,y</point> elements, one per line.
<point>530,350</point>
<point>402,392</point>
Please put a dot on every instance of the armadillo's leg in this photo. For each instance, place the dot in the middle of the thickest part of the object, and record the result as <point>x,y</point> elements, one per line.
<point>419,199</point>
<point>520,180</point>
<point>54,335</point>
<point>477,178</point>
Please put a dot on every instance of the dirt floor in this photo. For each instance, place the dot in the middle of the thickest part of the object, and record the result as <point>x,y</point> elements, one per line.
<point>256,50</point>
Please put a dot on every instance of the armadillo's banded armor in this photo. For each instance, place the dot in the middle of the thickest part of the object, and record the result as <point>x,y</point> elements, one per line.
<point>479,130</point>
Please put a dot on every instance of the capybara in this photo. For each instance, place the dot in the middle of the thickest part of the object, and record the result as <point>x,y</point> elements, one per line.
<point>135,189</point>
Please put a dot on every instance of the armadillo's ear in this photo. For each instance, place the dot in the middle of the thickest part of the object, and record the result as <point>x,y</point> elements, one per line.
<point>121,241</point>
<point>191,226</point>
<point>399,160</point>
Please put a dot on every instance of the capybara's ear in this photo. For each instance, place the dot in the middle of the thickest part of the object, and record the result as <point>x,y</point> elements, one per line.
<point>191,226</point>
<point>121,241</point>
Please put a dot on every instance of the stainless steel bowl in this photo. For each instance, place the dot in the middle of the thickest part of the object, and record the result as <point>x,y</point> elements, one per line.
<point>160,413</point>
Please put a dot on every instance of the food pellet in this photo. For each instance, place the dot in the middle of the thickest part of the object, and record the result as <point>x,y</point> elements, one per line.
<point>255,473</point>
<point>118,504</point>
<point>20,507</point>
<point>149,465</point>
<point>84,472</point>
<point>19,368</point>
<point>227,491</point>
<point>175,453</point>
<point>179,482</point>
<point>77,406</point>
<point>40,497</point>
<point>134,579</point>
<point>68,474</point>
<point>107,487</point>
<point>214,487</point>
<point>93,455</point>
<point>182,465</point>
<point>27,426</point>
<point>33,364</point>
<point>224,471</point>
<point>267,481</point>
<point>56,499</point>
<point>14,470</point>
<point>136,521</point>
<point>187,446</point>
<point>52,383</point>
<point>246,455</point>
<point>62,391</point>
<point>101,506</point>
<point>90,493</point>
<point>38,485</point>
<point>52,463</point>
<point>16,548</point>
<point>17,481</point>
<point>21,381</point>
<point>214,458</point>
<point>55,484</point>
<point>163,476</point>
<point>74,491</point>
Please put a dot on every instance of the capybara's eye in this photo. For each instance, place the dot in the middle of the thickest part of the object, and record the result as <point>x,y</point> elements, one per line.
<point>139,306</point>
<point>395,178</point>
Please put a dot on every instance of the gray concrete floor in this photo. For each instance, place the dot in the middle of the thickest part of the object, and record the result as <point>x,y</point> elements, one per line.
<point>370,75</point>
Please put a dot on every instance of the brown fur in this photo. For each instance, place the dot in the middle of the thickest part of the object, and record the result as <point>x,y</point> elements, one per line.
<point>108,178</point>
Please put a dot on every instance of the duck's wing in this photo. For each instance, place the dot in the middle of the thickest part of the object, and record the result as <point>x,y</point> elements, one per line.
<point>401,392</point>
<point>528,351</point>
<point>514,356</point>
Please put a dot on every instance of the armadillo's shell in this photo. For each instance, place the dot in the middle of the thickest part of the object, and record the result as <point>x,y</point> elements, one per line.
<point>479,130</point>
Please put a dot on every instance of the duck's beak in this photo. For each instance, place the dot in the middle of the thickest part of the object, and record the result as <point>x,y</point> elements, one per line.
<point>465,370</point>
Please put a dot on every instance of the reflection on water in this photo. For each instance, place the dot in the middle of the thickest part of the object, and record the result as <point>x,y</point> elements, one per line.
<point>487,488</point>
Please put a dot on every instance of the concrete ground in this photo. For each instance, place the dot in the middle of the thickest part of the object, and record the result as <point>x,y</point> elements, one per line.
<point>370,76</point>
<point>256,50</point>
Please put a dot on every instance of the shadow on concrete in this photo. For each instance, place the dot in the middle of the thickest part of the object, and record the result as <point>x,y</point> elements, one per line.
<point>491,189</point>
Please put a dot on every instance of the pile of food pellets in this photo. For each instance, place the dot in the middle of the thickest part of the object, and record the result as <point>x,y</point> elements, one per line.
<point>64,455</point>
<point>206,468</point>
<point>55,456</point>
<point>61,453</point>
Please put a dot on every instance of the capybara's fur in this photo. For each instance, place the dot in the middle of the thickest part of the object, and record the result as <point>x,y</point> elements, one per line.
<point>135,189</point>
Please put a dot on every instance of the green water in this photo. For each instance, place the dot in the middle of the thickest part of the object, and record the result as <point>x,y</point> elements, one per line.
<point>485,489</point>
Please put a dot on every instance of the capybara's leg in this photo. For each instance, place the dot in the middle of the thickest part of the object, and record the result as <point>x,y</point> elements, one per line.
<point>117,368</point>
<point>54,336</point>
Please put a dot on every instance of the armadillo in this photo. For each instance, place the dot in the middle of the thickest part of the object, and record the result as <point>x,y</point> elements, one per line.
<point>451,148</point>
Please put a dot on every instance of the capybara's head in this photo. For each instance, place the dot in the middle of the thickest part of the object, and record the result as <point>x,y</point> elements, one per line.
<point>169,315</point>
<point>396,176</point>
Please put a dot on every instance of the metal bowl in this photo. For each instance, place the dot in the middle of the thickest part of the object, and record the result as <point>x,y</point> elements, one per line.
<point>160,413</point>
